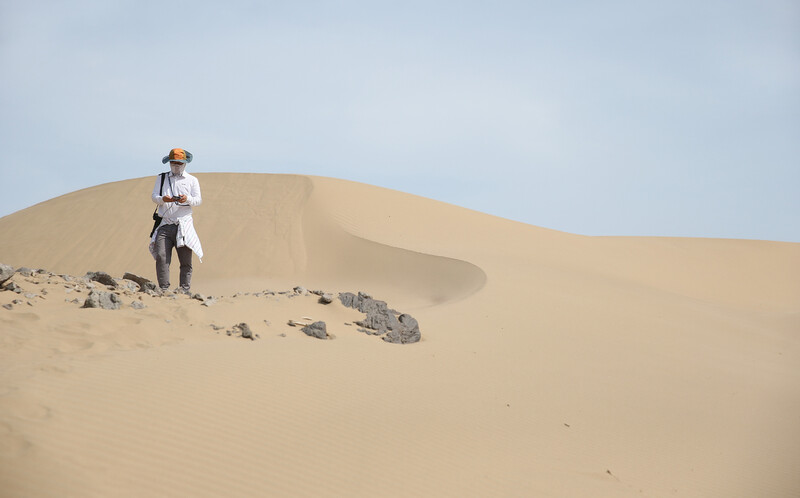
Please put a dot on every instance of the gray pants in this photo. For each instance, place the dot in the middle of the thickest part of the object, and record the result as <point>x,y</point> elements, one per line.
<point>166,239</point>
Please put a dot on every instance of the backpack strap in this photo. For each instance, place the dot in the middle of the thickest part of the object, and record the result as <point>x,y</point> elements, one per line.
<point>161,193</point>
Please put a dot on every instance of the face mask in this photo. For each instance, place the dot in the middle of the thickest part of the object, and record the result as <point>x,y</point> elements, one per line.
<point>177,169</point>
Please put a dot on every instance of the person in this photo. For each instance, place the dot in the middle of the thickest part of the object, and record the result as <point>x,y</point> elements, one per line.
<point>175,196</point>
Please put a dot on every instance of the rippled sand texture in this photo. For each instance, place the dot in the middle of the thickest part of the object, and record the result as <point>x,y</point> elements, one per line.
<point>550,364</point>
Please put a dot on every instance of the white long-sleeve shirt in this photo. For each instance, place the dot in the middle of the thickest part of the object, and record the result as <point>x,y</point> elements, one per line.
<point>174,213</point>
<point>175,186</point>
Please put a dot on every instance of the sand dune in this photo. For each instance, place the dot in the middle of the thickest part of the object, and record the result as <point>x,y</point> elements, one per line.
<point>551,364</point>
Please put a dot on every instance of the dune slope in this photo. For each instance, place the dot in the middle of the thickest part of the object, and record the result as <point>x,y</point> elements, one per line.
<point>551,364</point>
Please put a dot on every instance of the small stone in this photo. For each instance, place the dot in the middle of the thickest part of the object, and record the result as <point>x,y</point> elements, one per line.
<point>208,302</point>
<point>17,301</point>
<point>198,297</point>
<point>244,330</point>
<point>301,290</point>
<point>316,329</point>
<point>6,272</point>
<point>13,287</point>
<point>103,278</point>
<point>104,300</point>
<point>144,284</point>
<point>217,327</point>
<point>138,305</point>
<point>8,306</point>
<point>31,295</point>
<point>326,299</point>
<point>27,272</point>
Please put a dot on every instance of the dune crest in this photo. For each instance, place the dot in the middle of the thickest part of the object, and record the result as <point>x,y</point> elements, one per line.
<point>256,229</point>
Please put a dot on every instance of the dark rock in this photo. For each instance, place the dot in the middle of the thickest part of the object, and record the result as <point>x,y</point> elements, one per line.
<point>27,272</point>
<point>198,297</point>
<point>300,290</point>
<point>363,302</point>
<point>144,284</point>
<point>379,316</point>
<point>102,277</point>
<point>349,300</point>
<point>8,306</point>
<point>316,329</point>
<point>381,319</point>
<point>104,300</point>
<point>244,330</point>
<point>13,287</point>
<point>6,272</point>
<point>326,298</point>
<point>407,333</point>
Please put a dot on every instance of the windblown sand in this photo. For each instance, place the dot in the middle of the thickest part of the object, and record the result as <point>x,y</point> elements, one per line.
<point>550,364</point>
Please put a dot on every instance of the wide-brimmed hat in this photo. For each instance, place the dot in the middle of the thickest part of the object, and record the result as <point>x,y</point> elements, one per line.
<point>178,155</point>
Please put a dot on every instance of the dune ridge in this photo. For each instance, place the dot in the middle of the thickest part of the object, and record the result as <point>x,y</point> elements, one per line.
<point>550,363</point>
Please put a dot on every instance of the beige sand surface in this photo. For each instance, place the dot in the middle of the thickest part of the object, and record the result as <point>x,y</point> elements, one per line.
<point>550,364</point>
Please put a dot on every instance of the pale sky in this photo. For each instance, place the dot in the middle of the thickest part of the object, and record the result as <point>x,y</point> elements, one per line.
<point>677,118</point>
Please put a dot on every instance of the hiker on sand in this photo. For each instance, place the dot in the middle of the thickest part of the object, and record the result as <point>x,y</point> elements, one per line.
<point>175,193</point>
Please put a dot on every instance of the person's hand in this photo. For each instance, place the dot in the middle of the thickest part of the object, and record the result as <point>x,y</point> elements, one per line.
<point>181,199</point>
<point>166,198</point>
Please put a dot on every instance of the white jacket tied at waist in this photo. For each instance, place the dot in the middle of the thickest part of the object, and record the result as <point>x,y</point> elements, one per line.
<point>174,214</point>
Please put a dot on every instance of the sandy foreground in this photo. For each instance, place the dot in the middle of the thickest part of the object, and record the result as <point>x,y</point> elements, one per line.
<point>550,364</point>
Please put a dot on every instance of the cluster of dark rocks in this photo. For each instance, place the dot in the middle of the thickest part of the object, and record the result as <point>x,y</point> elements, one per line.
<point>110,299</point>
<point>393,326</point>
<point>105,292</point>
